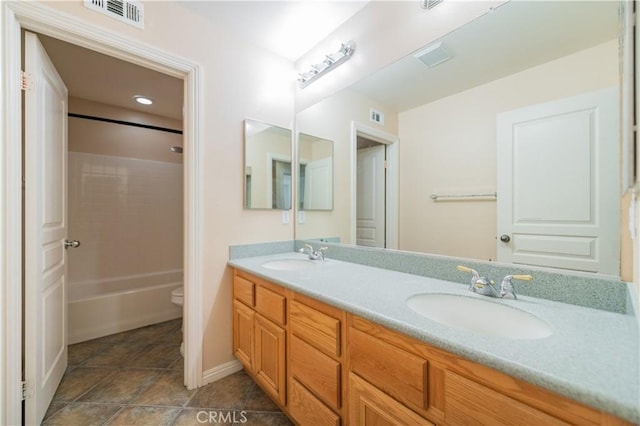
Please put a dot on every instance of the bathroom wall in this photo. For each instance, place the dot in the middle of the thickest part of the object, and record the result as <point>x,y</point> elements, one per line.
<point>104,138</point>
<point>124,206</point>
<point>460,132</point>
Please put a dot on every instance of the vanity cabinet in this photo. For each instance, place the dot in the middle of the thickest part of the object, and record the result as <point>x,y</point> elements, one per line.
<point>259,336</point>
<point>395,371</point>
<point>324,366</point>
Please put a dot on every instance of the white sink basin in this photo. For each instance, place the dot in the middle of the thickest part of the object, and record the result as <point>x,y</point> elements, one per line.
<point>288,264</point>
<point>481,316</point>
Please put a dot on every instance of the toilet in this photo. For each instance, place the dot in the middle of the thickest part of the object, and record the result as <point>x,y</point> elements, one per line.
<point>177,298</point>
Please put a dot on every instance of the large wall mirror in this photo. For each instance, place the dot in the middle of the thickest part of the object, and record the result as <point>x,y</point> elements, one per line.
<point>315,173</point>
<point>267,166</point>
<point>508,142</point>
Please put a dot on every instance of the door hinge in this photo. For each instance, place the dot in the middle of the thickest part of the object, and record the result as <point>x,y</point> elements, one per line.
<point>26,81</point>
<point>386,164</point>
<point>26,390</point>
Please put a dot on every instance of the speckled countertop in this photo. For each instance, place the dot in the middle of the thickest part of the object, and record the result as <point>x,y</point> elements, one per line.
<point>592,356</point>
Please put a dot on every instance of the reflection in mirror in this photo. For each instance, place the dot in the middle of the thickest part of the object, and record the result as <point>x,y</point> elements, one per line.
<point>267,165</point>
<point>527,107</point>
<point>315,184</point>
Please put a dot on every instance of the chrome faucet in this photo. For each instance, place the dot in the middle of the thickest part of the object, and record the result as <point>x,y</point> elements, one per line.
<point>480,285</point>
<point>486,287</point>
<point>315,254</point>
<point>506,286</point>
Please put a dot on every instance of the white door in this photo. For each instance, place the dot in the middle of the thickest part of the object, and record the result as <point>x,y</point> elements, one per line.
<point>370,197</point>
<point>558,184</point>
<point>45,226</point>
<point>318,185</point>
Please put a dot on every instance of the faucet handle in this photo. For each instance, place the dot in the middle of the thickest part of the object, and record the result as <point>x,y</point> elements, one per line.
<point>506,286</point>
<point>465,269</point>
<point>522,277</point>
<point>476,275</point>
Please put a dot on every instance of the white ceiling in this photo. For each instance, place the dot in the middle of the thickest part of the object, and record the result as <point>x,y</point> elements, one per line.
<point>515,36</point>
<point>286,28</point>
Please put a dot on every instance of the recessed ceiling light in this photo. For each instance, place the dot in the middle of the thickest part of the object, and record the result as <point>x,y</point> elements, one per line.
<point>143,100</point>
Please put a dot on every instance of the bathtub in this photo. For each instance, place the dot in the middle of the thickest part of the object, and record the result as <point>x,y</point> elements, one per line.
<point>102,307</point>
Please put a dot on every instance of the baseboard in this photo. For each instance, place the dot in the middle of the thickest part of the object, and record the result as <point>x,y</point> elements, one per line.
<point>220,371</point>
<point>77,336</point>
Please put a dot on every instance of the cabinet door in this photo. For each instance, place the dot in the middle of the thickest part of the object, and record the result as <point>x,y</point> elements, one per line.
<point>370,406</point>
<point>306,409</point>
<point>269,357</point>
<point>467,402</point>
<point>243,334</point>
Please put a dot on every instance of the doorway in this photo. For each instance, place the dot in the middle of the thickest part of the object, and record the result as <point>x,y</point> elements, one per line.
<point>371,197</point>
<point>115,194</point>
<point>35,17</point>
<point>374,190</point>
<point>125,192</point>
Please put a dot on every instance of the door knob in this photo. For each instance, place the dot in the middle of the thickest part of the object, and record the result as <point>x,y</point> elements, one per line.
<point>71,243</point>
<point>505,238</point>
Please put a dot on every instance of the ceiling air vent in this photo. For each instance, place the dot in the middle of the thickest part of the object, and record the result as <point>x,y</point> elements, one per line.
<point>129,11</point>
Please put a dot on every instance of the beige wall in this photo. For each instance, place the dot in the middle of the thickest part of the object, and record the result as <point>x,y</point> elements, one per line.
<point>331,119</point>
<point>104,138</point>
<point>239,81</point>
<point>450,146</point>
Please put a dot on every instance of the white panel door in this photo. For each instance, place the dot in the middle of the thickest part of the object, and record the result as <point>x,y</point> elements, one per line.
<point>318,184</point>
<point>558,184</point>
<point>45,230</point>
<point>370,197</point>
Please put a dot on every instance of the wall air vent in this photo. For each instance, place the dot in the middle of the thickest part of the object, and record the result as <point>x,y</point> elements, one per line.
<point>429,4</point>
<point>129,11</point>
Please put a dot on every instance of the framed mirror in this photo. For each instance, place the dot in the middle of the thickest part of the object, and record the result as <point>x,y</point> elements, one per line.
<point>315,173</point>
<point>267,166</point>
<point>445,104</point>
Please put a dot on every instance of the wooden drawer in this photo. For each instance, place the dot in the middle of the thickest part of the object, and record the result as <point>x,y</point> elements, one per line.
<point>317,328</point>
<point>396,372</point>
<point>271,304</point>
<point>368,406</point>
<point>243,290</point>
<point>306,409</point>
<point>317,371</point>
<point>467,402</point>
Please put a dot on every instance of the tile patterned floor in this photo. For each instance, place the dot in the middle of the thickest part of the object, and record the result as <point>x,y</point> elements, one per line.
<point>135,378</point>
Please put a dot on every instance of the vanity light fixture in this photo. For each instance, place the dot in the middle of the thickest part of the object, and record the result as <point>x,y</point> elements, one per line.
<point>143,100</point>
<point>330,62</point>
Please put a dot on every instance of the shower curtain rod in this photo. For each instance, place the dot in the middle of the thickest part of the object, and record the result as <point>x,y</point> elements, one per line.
<point>126,123</point>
